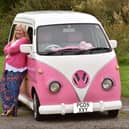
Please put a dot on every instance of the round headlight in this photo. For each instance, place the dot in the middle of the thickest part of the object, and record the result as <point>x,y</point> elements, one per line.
<point>107,84</point>
<point>54,87</point>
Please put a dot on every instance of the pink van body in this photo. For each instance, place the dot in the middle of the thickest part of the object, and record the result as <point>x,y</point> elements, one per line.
<point>43,74</point>
<point>60,83</point>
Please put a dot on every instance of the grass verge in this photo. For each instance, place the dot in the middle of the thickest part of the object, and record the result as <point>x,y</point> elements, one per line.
<point>124,73</point>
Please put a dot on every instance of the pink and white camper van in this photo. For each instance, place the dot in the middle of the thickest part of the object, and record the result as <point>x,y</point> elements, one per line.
<point>72,66</point>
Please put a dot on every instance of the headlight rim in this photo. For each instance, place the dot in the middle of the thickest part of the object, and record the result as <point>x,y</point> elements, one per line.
<point>50,87</point>
<point>110,87</point>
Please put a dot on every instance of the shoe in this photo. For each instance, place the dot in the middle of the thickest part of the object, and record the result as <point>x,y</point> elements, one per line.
<point>10,111</point>
<point>3,114</point>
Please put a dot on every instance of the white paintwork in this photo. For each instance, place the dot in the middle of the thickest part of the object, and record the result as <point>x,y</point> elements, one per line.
<point>55,17</point>
<point>68,108</point>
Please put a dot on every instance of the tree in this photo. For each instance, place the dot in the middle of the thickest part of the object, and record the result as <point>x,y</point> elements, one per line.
<point>7,5</point>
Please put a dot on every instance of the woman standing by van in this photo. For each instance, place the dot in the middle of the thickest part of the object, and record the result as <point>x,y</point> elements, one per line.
<point>14,70</point>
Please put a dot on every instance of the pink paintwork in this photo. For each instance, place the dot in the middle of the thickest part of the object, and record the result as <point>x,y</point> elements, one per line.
<point>42,75</point>
<point>96,93</point>
<point>41,82</point>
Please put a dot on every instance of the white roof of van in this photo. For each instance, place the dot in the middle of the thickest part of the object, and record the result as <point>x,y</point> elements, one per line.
<point>55,17</point>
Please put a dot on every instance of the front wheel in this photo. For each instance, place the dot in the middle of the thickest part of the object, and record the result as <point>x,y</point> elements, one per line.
<point>36,105</point>
<point>113,113</point>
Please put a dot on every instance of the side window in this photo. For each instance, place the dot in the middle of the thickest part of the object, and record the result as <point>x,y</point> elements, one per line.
<point>30,33</point>
<point>12,32</point>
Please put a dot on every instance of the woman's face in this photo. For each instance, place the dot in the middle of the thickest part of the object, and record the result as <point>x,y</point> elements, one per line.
<point>19,33</point>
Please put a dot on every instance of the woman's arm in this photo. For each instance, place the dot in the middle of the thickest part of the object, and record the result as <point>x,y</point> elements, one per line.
<point>6,48</point>
<point>14,49</point>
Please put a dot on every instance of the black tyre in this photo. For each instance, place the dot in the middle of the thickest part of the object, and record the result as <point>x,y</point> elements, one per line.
<point>113,113</point>
<point>36,105</point>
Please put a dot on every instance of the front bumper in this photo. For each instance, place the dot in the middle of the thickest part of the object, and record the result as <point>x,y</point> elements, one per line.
<point>68,108</point>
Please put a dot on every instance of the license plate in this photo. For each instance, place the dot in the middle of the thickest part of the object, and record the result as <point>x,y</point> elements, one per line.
<point>83,107</point>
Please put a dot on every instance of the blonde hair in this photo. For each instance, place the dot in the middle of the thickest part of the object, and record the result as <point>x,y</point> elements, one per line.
<point>24,29</point>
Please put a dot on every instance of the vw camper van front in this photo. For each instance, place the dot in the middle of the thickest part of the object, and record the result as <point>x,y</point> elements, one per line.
<point>72,66</point>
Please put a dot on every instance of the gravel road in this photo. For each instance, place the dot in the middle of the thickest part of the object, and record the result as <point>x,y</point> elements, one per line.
<point>25,120</point>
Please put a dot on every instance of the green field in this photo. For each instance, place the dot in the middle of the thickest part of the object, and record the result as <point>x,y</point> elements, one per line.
<point>124,72</point>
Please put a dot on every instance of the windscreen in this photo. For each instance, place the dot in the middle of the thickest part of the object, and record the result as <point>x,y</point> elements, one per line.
<point>71,39</point>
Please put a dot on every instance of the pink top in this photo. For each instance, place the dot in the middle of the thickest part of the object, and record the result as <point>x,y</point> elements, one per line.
<point>13,55</point>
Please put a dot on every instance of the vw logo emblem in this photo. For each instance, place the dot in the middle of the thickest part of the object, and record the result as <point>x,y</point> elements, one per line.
<point>80,78</point>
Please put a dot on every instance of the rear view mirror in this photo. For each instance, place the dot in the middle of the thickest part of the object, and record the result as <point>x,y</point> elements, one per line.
<point>113,43</point>
<point>26,48</point>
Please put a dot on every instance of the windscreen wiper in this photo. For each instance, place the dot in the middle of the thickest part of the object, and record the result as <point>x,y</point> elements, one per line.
<point>75,51</point>
<point>66,51</point>
<point>94,50</point>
